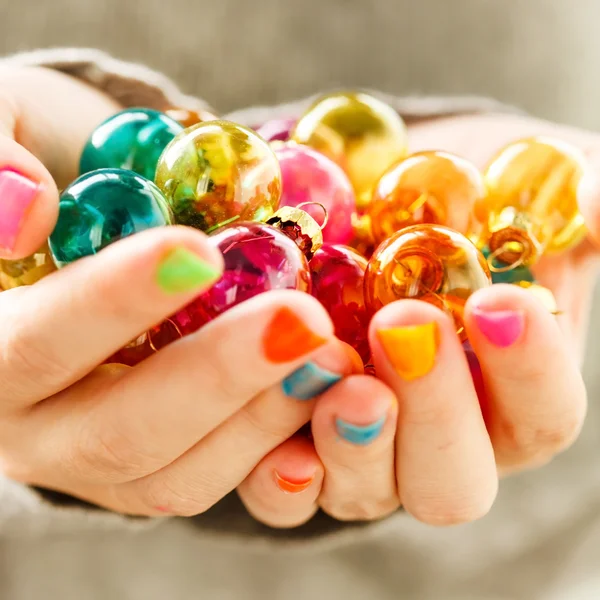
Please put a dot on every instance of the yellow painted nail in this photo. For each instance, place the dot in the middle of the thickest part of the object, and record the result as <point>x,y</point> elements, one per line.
<point>411,349</point>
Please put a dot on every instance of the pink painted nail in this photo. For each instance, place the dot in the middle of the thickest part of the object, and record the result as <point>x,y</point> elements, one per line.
<point>17,192</point>
<point>501,327</point>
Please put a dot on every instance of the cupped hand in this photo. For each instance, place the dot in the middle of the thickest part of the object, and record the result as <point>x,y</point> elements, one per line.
<point>440,450</point>
<point>178,432</point>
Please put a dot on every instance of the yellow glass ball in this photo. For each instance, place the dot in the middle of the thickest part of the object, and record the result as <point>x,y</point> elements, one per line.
<point>531,208</point>
<point>27,271</point>
<point>362,134</point>
<point>427,187</point>
<point>428,262</point>
<point>217,172</point>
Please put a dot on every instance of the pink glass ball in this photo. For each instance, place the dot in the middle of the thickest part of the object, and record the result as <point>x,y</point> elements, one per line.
<point>309,176</point>
<point>276,130</point>
<point>337,274</point>
<point>258,258</point>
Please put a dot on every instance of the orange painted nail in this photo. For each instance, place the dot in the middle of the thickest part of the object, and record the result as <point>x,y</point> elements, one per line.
<point>288,338</point>
<point>291,487</point>
<point>411,349</point>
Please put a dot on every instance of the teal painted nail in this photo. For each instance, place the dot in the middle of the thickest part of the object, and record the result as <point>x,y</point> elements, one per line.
<point>308,381</point>
<point>361,435</point>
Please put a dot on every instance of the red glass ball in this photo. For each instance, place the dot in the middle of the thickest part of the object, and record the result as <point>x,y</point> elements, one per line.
<point>337,274</point>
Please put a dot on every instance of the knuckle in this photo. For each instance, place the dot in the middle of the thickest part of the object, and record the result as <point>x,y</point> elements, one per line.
<point>31,361</point>
<point>360,509</point>
<point>543,437</point>
<point>183,499</point>
<point>445,512</point>
<point>107,454</point>
<point>271,426</point>
<point>17,470</point>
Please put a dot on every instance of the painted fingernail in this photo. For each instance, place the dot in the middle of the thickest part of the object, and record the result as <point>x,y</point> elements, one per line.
<point>285,484</point>
<point>288,338</point>
<point>411,349</point>
<point>361,435</point>
<point>183,271</point>
<point>308,381</point>
<point>501,327</point>
<point>17,194</point>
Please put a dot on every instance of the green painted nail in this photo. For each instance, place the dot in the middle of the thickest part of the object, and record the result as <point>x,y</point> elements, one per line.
<point>183,271</point>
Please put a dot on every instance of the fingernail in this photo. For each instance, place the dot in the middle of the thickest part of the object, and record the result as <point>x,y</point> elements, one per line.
<point>183,271</point>
<point>361,435</point>
<point>412,349</point>
<point>308,381</point>
<point>501,327</point>
<point>17,193</point>
<point>292,487</point>
<point>288,338</point>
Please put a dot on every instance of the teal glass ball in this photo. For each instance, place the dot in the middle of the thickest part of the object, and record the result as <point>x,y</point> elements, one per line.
<point>132,139</point>
<point>102,207</point>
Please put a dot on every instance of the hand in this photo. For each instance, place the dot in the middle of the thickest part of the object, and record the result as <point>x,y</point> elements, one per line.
<point>181,430</point>
<point>443,460</point>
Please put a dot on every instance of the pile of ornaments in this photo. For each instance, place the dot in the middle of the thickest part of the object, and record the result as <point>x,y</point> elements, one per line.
<point>331,204</point>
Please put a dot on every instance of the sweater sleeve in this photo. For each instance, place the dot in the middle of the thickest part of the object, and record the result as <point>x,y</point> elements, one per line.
<point>28,510</point>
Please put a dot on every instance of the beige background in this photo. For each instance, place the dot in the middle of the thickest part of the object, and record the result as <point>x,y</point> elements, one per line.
<point>540,54</point>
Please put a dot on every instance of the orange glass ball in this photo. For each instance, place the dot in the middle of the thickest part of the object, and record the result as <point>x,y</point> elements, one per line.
<point>427,187</point>
<point>427,262</point>
<point>531,208</point>
<point>187,118</point>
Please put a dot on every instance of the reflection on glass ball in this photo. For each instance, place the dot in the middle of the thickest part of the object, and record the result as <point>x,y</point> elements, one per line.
<point>428,262</point>
<point>102,207</point>
<point>218,172</point>
<point>357,131</point>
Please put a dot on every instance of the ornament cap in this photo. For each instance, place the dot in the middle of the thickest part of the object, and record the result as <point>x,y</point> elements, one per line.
<point>298,225</point>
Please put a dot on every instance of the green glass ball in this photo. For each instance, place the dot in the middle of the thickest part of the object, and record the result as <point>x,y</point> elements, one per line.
<point>132,139</point>
<point>102,207</point>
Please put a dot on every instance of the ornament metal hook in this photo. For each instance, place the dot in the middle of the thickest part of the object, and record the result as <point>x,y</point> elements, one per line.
<point>509,267</point>
<point>325,212</point>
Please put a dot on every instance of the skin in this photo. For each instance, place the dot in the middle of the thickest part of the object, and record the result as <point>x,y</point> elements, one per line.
<point>139,441</point>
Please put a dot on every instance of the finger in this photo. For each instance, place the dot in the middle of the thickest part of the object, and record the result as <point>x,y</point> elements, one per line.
<point>188,389</point>
<point>354,427</point>
<point>588,193</point>
<point>444,459</point>
<point>282,490</point>
<point>536,393</point>
<point>38,129</point>
<point>463,134</point>
<point>98,303</point>
<point>222,460</point>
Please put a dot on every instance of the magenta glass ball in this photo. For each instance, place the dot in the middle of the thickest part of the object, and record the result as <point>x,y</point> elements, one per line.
<point>309,176</point>
<point>276,130</point>
<point>338,275</point>
<point>258,258</point>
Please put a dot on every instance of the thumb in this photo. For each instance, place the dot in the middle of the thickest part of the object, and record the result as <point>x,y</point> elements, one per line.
<point>45,119</point>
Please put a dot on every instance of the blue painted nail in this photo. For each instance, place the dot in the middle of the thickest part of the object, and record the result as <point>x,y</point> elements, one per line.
<point>308,381</point>
<point>360,435</point>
